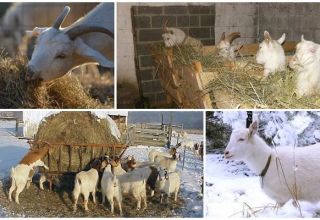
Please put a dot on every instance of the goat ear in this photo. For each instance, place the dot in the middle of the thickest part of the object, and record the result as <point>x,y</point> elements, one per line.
<point>253,129</point>
<point>302,38</point>
<point>84,50</point>
<point>267,36</point>
<point>35,32</point>
<point>223,36</point>
<point>282,38</point>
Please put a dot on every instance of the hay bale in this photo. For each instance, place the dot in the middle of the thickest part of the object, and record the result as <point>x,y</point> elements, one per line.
<point>74,128</point>
<point>65,92</point>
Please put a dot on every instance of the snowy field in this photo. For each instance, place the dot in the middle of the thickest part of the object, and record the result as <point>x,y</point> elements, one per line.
<point>191,174</point>
<point>232,190</point>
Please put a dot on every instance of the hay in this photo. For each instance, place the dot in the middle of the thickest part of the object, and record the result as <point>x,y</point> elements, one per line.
<point>241,86</point>
<point>74,128</point>
<point>15,92</point>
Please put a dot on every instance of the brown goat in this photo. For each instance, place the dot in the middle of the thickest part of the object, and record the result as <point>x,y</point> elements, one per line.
<point>34,155</point>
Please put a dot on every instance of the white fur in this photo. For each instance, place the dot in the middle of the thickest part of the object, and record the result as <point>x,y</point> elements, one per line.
<point>85,183</point>
<point>247,146</point>
<point>153,153</point>
<point>168,183</point>
<point>188,144</point>
<point>134,183</point>
<point>56,54</point>
<point>20,178</point>
<point>110,188</point>
<point>271,55</point>
<point>307,64</point>
<point>167,163</point>
<point>177,37</point>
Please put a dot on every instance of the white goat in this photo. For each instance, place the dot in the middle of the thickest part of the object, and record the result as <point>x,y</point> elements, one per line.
<point>110,188</point>
<point>85,183</point>
<point>307,63</point>
<point>22,16</point>
<point>168,163</point>
<point>20,178</point>
<point>226,50</point>
<point>169,182</point>
<point>20,175</point>
<point>271,54</point>
<point>153,153</point>
<point>59,50</point>
<point>177,37</point>
<point>188,144</point>
<point>284,176</point>
<point>134,183</point>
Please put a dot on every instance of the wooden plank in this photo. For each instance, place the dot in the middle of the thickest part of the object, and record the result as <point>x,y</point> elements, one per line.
<point>70,157</point>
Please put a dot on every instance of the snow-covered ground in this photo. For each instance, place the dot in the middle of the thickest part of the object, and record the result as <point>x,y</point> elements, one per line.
<point>233,191</point>
<point>190,175</point>
<point>12,150</point>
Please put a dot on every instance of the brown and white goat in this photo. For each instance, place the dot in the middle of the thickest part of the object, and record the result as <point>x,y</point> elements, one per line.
<point>21,175</point>
<point>225,48</point>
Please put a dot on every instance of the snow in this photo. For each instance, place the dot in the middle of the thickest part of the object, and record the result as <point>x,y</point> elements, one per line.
<point>238,194</point>
<point>12,150</point>
<point>232,190</point>
<point>190,175</point>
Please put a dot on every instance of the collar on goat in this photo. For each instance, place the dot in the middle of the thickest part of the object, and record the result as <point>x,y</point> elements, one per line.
<point>265,170</point>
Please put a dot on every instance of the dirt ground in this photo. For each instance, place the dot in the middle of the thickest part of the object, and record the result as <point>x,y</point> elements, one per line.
<point>37,203</point>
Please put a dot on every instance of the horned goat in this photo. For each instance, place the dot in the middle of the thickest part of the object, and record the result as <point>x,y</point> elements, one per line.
<point>59,50</point>
<point>271,54</point>
<point>307,63</point>
<point>287,173</point>
<point>225,48</point>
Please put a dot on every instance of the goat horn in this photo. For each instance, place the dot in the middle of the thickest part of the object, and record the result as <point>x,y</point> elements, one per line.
<point>164,26</point>
<point>80,30</point>
<point>61,17</point>
<point>231,37</point>
<point>223,36</point>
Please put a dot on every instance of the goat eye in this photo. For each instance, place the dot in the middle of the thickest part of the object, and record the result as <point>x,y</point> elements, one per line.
<point>60,56</point>
<point>240,139</point>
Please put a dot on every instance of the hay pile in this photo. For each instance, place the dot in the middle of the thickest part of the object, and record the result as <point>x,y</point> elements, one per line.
<point>15,92</point>
<point>74,128</point>
<point>242,85</point>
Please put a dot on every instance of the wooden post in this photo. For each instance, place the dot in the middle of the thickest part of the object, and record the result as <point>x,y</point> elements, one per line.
<point>184,156</point>
<point>60,160</point>
<point>80,158</point>
<point>70,157</point>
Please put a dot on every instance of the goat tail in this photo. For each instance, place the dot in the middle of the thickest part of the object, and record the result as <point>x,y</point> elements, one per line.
<point>77,184</point>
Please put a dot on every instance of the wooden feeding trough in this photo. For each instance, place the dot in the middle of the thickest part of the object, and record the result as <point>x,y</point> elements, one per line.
<point>186,86</point>
<point>70,158</point>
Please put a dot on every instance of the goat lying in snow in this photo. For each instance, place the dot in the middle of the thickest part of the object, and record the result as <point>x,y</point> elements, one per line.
<point>307,63</point>
<point>85,183</point>
<point>284,176</point>
<point>271,54</point>
<point>20,175</point>
<point>169,182</point>
<point>110,187</point>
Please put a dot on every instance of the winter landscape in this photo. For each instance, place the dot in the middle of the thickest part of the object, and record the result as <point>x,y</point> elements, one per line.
<point>232,189</point>
<point>58,203</point>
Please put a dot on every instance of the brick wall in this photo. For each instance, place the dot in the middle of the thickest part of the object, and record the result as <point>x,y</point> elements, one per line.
<point>197,21</point>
